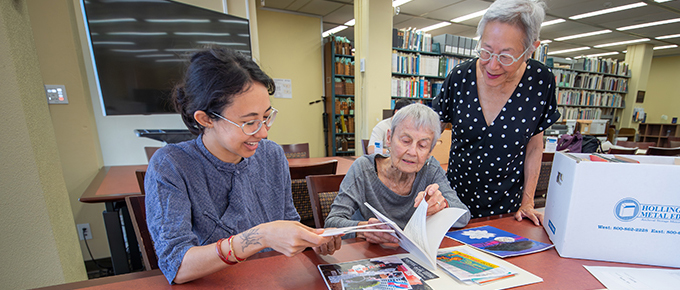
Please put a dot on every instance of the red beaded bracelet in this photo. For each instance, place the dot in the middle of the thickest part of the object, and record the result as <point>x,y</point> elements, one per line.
<point>218,249</point>
<point>232,252</point>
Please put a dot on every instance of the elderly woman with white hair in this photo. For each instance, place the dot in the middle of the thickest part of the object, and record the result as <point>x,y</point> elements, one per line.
<point>395,184</point>
<point>499,104</point>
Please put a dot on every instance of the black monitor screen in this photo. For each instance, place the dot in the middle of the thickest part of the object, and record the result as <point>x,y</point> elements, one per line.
<point>140,48</point>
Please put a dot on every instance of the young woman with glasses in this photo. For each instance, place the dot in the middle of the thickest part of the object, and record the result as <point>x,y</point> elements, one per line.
<point>499,104</point>
<point>214,201</point>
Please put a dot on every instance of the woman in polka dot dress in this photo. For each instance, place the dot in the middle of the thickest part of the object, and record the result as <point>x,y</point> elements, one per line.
<point>499,104</point>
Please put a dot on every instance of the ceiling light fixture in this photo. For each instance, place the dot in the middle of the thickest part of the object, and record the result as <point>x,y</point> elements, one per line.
<point>583,35</point>
<point>351,22</point>
<point>333,30</point>
<point>621,42</point>
<point>546,41</point>
<point>662,1</point>
<point>551,22</point>
<point>435,26</point>
<point>396,3</point>
<point>609,10</point>
<point>568,50</point>
<point>668,36</point>
<point>665,46</point>
<point>662,22</point>
<point>469,16</point>
<point>603,54</point>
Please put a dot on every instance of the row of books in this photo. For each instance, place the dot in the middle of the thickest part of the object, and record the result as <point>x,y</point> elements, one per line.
<point>415,64</point>
<point>541,53</point>
<point>567,78</point>
<point>415,87</point>
<point>424,65</point>
<point>580,113</point>
<point>588,98</point>
<point>344,124</point>
<point>603,65</point>
<point>411,39</point>
<point>455,44</point>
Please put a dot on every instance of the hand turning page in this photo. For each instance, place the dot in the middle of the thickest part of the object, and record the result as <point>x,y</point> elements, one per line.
<point>422,235</point>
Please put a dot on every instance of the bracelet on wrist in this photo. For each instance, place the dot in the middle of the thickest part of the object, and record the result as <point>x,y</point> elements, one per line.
<point>232,252</point>
<point>218,249</point>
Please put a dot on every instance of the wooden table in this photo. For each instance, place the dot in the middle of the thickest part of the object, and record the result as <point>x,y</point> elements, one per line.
<point>275,271</point>
<point>113,183</point>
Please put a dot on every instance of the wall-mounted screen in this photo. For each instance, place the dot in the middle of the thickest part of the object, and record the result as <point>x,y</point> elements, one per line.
<point>141,47</point>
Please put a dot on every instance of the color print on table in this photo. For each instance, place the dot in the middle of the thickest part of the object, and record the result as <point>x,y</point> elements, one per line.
<point>498,242</point>
<point>382,273</point>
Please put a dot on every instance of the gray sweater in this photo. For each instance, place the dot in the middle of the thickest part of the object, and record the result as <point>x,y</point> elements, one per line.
<point>361,184</point>
<point>195,199</point>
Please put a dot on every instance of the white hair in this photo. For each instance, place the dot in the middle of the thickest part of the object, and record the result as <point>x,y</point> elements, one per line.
<point>422,117</point>
<point>528,15</point>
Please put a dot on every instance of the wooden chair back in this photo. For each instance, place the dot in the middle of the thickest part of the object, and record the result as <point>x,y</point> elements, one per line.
<point>611,134</point>
<point>626,151</point>
<point>364,146</point>
<point>137,208</point>
<point>662,151</point>
<point>543,179</point>
<point>140,179</point>
<point>150,151</point>
<point>299,150</point>
<point>628,133</point>
<point>325,167</point>
<point>299,187</point>
<point>443,147</point>
<point>322,191</point>
<point>631,144</point>
<point>673,141</point>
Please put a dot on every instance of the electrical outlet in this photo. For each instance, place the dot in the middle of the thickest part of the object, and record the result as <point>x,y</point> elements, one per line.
<point>84,234</point>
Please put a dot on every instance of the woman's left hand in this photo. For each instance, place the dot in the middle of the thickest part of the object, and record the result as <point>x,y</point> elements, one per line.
<point>528,211</point>
<point>330,247</point>
<point>434,198</point>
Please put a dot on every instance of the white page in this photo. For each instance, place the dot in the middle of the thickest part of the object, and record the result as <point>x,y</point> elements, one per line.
<point>354,229</point>
<point>626,278</point>
<point>415,230</point>
<point>422,234</point>
<point>437,226</point>
<point>405,241</point>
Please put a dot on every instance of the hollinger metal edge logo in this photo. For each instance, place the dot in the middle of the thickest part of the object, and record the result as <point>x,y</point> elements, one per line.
<point>628,209</point>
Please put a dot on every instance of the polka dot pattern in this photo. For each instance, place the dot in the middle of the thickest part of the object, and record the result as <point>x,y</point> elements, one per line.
<point>486,162</point>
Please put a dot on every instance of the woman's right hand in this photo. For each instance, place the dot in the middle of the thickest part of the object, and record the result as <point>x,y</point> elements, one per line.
<point>379,237</point>
<point>288,237</point>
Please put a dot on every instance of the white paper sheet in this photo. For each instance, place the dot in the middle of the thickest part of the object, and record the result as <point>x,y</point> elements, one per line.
<point>625,278</point>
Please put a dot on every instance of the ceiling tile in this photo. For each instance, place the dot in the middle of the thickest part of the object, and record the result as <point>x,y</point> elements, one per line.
<point>323,8</point>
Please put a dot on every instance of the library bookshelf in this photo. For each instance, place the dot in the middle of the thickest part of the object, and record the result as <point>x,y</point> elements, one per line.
<point>419,75</point>
<point>596,92</point>
<point>339,100</point>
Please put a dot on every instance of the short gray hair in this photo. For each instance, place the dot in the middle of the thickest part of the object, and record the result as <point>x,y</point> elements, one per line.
<point>422,117</point>
<point>528,15</point>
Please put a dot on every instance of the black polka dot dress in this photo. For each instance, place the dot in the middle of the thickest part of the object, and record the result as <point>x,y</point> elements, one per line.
<point>486,162</point>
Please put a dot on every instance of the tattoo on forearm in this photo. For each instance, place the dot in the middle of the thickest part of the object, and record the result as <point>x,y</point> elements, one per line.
<point>250,237</point>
